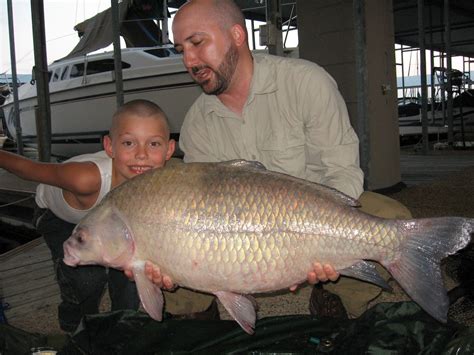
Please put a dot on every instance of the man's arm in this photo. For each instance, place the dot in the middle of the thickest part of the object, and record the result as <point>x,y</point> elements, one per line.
<point>332,147</point>
<point>194,138</point>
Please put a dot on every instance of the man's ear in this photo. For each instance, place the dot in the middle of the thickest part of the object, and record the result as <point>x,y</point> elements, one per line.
<point>238,34</point>
<point>171,148</point>
<point>107,142</point>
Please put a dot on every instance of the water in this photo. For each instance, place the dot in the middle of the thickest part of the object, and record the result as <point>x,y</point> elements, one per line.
<point>13,236</point>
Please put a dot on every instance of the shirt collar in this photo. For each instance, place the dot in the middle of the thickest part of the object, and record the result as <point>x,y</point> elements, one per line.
<point>264,75</point>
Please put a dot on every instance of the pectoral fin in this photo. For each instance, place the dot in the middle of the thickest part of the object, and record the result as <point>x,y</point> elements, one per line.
<point>240,307</point>
<point>150,294</point>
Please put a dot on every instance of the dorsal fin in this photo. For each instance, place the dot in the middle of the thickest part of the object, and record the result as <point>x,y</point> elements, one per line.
<point>328,192</point>
<point>241,163</point>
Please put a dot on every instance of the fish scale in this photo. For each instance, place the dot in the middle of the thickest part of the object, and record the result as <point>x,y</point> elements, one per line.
<point>235,228</point>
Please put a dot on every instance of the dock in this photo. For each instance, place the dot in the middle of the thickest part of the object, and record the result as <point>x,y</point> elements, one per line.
<point>417,168</point>
<point>27,281</point>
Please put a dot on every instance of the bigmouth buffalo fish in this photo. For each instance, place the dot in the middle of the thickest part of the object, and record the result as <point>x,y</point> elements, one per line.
<point>233,229</point>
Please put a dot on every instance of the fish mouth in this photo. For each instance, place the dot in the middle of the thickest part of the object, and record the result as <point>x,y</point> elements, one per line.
<point>69,258</point>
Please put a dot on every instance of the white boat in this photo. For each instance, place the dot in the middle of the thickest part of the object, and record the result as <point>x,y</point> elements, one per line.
<point>410,125</point>
<point>83,96</point>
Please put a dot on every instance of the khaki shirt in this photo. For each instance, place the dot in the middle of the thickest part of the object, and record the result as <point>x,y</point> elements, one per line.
<point>294,121</point>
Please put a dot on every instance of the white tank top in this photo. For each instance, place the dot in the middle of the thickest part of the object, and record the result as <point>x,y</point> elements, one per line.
<point>51,197</point>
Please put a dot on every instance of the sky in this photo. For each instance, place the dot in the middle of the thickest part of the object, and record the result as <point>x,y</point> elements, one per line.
<point>60,17</point>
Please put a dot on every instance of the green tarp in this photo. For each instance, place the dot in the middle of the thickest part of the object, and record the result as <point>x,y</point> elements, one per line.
<point>388,328</point>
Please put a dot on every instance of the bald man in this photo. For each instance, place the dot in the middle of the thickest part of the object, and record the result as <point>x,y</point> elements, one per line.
<point>285,113</point>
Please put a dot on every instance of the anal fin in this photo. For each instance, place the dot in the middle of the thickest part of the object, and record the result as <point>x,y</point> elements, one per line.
<point>240,307</point>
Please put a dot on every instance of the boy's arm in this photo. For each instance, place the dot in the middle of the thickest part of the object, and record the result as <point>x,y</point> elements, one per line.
<point>79,178</point>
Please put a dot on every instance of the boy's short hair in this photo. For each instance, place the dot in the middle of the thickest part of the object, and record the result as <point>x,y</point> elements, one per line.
<point>140,108</point>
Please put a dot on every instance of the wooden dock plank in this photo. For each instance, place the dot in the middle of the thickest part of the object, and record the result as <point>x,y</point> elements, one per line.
<point>15,283</point>
<point>27,261</point>
<point>25,309</point>
<point>27,279</point>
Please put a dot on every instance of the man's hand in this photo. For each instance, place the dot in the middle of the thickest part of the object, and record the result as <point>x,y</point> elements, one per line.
<point>322,273</point>
<point>153,273</point>
<point>319,273</point>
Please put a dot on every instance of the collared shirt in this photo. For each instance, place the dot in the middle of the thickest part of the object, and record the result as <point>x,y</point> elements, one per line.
<point>295,121</point>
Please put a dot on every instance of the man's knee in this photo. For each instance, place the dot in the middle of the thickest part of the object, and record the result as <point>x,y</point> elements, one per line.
<point>383,206</point>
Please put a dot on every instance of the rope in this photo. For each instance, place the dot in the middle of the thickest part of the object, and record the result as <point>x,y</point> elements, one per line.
<point>15,202</point>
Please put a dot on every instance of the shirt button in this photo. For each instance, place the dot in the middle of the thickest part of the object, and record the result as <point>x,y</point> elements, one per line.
<point>254,157</point>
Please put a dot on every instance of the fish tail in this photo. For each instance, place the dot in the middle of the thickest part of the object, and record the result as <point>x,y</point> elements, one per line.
<point>417,269</point>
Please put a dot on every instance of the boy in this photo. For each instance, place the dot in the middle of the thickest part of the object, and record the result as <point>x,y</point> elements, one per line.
<point>138,140</point>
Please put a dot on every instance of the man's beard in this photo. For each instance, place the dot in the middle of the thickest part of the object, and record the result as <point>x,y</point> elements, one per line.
<point>223,74</point>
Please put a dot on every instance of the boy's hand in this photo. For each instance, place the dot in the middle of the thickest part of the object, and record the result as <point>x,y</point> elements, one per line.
<point>153,273</point>
<point>319,273</point>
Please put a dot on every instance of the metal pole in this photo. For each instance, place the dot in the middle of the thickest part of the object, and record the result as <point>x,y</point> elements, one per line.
<point>43,110</point>
<point>363,129</point>
<point>254,46</point>
<point>289,24</point>
<point>16,105</point>
<point>433,87</point>
<point>117,52</point>
<point>164,29</point>
<point>424,91</point>
<point>403,73</point>
<point>273,15</point>
<point>447,43</point>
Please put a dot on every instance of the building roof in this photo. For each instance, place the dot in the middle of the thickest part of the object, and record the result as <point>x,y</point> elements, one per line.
<point>405,20</point>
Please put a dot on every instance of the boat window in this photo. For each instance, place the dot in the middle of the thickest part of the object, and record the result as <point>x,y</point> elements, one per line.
<point>56,75</point>
<point>162,52</point>
<point>95,67</point>
<point>64,75</point>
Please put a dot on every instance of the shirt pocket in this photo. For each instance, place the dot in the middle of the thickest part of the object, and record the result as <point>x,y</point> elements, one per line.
<point>284,151</point>
<point>280,137</point>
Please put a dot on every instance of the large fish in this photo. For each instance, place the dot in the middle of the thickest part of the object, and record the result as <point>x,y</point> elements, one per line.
<point>234,228</point>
